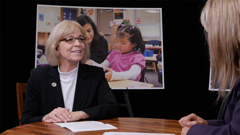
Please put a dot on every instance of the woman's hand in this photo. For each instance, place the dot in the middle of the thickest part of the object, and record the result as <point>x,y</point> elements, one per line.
<point>184,130</point>
<point>58,115</point>
<point>108,75</point>
<point>64,116</point>
<point>78,115</point>
<point>191,120</point>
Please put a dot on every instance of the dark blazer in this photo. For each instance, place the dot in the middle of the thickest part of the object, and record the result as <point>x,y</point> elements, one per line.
<point>99,50</point>
<point>230,124</point>
<point>93,94</point>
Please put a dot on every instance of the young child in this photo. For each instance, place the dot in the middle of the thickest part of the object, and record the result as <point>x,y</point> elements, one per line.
<point>127,62</point>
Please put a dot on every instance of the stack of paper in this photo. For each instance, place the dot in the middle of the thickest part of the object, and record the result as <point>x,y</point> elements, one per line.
<point>86,126</point>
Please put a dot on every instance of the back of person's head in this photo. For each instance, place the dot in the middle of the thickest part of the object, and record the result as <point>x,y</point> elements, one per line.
<point>221,21</point>
<point>135,36</point>
<point>84,19</point>
<point>61,30</point>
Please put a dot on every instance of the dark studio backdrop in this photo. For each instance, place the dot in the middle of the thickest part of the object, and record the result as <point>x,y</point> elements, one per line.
<point>186,61</point>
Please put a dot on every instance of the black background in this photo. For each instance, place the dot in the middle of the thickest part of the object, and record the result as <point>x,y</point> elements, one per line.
<point>186,60</point>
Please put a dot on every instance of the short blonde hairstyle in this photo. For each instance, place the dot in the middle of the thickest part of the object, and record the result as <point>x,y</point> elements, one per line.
<point>221,20</point>
<point>61,30</point>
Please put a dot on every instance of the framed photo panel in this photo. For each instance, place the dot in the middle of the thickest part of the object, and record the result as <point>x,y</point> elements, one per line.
<point>107,20</point>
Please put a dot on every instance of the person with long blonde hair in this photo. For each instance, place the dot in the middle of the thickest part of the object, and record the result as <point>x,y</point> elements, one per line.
<point>221,22</point>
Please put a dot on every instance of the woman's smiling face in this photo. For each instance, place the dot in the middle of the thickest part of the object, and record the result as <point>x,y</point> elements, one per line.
<point>89,32</point>
<point>71,52</point>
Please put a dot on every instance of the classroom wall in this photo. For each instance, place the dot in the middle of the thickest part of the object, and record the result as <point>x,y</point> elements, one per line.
<point>52,16</point>
<point>186,62</point>
<point>130,14</point>
<point>93,16</point>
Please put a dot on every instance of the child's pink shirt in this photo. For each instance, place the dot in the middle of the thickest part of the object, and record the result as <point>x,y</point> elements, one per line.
<point>122,62</point>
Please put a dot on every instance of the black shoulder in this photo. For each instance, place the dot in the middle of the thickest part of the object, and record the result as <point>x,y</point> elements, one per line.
<point>93,70</point>
<point>42,68</point>
<point>103,40</point>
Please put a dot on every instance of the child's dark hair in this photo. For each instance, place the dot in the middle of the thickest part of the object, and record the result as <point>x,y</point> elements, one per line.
<point>135,36</point>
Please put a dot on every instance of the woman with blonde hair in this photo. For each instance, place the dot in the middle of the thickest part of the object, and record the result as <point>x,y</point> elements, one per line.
<point>221,21</point>
<point>67,89</point>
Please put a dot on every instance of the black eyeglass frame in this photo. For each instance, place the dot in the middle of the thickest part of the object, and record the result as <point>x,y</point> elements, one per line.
<point>81,39</point>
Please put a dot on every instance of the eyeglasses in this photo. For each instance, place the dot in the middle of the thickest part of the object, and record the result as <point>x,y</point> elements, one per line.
<point>70,40</point>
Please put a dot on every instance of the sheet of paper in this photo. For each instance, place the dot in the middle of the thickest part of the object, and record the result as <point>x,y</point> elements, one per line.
<point>86,126</point>
<point>132,133</point>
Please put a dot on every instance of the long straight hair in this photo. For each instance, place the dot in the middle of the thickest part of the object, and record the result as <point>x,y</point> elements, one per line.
<point>84,19</point>
<point>221,20</point>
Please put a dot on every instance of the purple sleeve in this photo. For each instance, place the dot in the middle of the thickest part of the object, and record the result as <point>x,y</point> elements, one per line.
<point>231,124</point>
<point>215,122</point>
<point>209,130</point>
<point>204,129</point>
